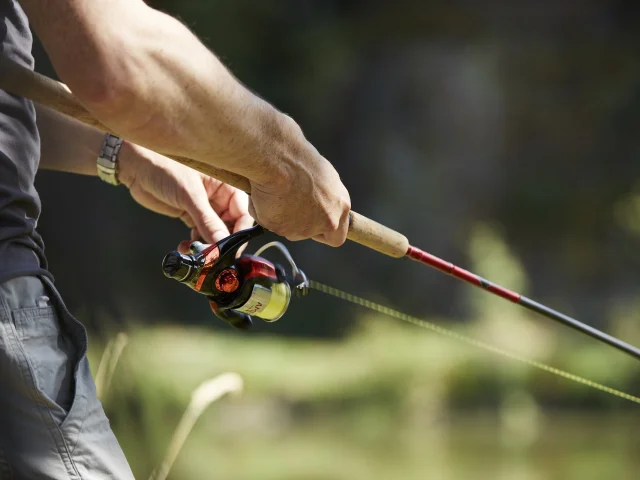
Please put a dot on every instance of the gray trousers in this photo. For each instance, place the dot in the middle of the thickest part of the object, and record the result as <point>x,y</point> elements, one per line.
<point>52,425</point>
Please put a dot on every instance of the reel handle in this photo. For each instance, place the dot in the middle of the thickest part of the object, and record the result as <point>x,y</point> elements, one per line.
<point>238,320</point>
<point>21,81</point>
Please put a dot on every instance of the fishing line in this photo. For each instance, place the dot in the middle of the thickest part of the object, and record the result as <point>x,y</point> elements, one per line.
<point>465,339</point>
<point>241,287</point>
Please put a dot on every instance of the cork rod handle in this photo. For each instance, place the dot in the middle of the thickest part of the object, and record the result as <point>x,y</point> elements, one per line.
<point>23,82</point>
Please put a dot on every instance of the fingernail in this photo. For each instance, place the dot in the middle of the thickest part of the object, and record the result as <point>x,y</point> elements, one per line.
<point>183,247</point>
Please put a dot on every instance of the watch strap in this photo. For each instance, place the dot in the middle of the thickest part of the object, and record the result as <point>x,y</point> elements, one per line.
<point>108,160</point>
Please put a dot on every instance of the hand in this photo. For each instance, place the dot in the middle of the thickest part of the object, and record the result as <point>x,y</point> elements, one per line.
<point>209,207</point>
<point>304,197</point>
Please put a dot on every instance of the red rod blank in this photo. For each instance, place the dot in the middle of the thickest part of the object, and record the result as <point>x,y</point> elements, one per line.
<point>450,269</point>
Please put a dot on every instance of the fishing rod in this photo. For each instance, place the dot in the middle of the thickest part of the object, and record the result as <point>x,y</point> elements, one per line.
<point>21,81</point>
<point>449,268</point>
<point>214,271</point>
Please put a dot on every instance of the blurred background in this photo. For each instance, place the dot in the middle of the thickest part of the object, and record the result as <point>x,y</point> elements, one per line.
<point>499,135</point>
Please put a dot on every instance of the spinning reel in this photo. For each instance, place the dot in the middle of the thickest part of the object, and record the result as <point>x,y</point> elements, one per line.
<point>241,287</point>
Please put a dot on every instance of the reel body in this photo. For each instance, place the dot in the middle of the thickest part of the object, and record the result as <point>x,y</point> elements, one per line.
<point>237,288</point>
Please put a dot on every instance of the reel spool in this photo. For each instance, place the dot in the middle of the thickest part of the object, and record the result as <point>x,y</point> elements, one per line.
<point>238,288</point>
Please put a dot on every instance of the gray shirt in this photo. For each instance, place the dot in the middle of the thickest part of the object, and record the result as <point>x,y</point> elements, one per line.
<point>21,248</point>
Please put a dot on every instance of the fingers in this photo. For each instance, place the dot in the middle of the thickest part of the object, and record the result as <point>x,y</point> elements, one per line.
<point>228,201</point>
<point>231,204</point>
<point>307,200</point>
<point>183,247</point>
<point>337,236</point>
<point>239,205</point>
<point>244,222</point>
<point>331,231</point>
<point>237,216</point>
<point>237,211</point>
<point>207,222</point>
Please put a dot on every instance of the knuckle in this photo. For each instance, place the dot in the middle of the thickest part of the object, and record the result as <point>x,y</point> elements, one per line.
<point>332,222</point>
<point>346,202</point>
<point>290,126</point>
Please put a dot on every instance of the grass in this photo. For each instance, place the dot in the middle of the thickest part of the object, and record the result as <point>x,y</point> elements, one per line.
<point>389,401</point>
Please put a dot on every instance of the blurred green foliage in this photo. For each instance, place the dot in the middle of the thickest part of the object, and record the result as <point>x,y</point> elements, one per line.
<point>386,402</point>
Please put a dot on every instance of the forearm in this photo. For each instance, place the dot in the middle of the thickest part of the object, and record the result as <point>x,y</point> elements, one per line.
<point>145,75</point>
<point>66,144</point>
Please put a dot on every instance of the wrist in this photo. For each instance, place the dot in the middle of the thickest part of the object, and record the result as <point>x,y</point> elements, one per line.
<point>107,162</point>
<point>282,149</point>
<point>128,164</point>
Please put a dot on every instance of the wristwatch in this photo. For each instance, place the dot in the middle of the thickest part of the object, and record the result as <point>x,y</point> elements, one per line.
<point>108,160</point>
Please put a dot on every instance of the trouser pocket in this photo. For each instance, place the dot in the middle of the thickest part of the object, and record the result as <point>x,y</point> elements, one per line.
<point>50,356</point>
<point>49,344</point>
<point>52,424</point>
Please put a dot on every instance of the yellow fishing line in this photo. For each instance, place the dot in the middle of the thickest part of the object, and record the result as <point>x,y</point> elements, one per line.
<point>468,340</point>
